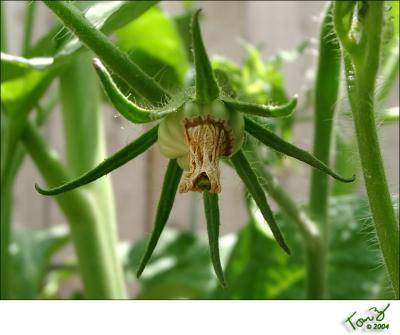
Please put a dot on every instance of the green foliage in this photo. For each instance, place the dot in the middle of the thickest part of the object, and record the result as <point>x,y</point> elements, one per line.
<point>180,267</point>
<point>258,270</point>
<point>163,62</point>
<point>32,251</point>
<point>154,35</point>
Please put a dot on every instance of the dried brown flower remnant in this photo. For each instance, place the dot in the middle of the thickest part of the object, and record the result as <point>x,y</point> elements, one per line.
<point>208,139</point>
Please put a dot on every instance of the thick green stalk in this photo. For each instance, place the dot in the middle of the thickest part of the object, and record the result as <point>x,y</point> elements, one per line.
<point>84,218</point>
<point>361,76</point>
<point>326,92</point>
<point>3,28</point>
<point>5,197</point>
<point>28,28</point>
<point>85,148</point>
<point>108,52</point>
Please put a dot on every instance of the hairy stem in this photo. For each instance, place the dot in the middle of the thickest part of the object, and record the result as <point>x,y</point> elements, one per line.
<point>361,80</point>
<point>108,52</point>
<point>326,92</point>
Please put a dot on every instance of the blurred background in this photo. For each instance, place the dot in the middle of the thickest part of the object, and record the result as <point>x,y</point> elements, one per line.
<point>272,25</point>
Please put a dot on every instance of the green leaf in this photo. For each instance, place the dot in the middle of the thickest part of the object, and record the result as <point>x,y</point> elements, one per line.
<point>108,16</point>
<point>32,250</point>
<point>211,210</point>
<point>263,110</point>
<point>129,152</point>
<point>155,34</point>
<point>167,198</point>
<point>127,108</point>
<point>249,178</point>
<point>275,142</point>
<point>14,66</point>
<point>206,84</point>
<point>165,74</point>
<point>257,269</point>
<point>179,267</point>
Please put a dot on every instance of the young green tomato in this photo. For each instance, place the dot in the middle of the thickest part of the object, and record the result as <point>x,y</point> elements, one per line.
<point>198,136</point>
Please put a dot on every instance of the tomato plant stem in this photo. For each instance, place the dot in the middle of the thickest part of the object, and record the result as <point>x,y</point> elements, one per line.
<point>81,212</point>
<point>85,148</point>
<point>326,92</point>
<point>108,52</point>
<point>361,68</point>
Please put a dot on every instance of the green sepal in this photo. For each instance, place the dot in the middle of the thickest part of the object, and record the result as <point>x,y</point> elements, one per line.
<point>275,142</point>
<point>211,210</point>
<point>249,178</point>
<point>167,198</point>
<point>129,152</point>
<point>207,88</point>
<point>127,108</point>
<point>263,110</point>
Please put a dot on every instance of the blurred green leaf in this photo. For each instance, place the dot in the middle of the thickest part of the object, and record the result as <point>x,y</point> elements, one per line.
<point>14,66</point>
<point>395,15</point>
<point>165,74</point>
<point>257,268</point>
<point>180,266</point>
<point>355,269</point>
<point>107,16</point>
<point>155,34</point>
<point>31,250</point>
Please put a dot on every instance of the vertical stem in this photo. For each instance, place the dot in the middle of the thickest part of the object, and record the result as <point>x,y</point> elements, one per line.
<point>84,219</point>
<point>8,179</point>
<point>28,28</point>
<point>326,91</point>
<point>5,198</point>
<point>85,147</point>
<point>361,79</point>
<point>3,28</point>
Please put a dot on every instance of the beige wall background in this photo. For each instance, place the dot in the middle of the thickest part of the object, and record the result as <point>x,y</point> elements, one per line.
<point>276,24</point>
